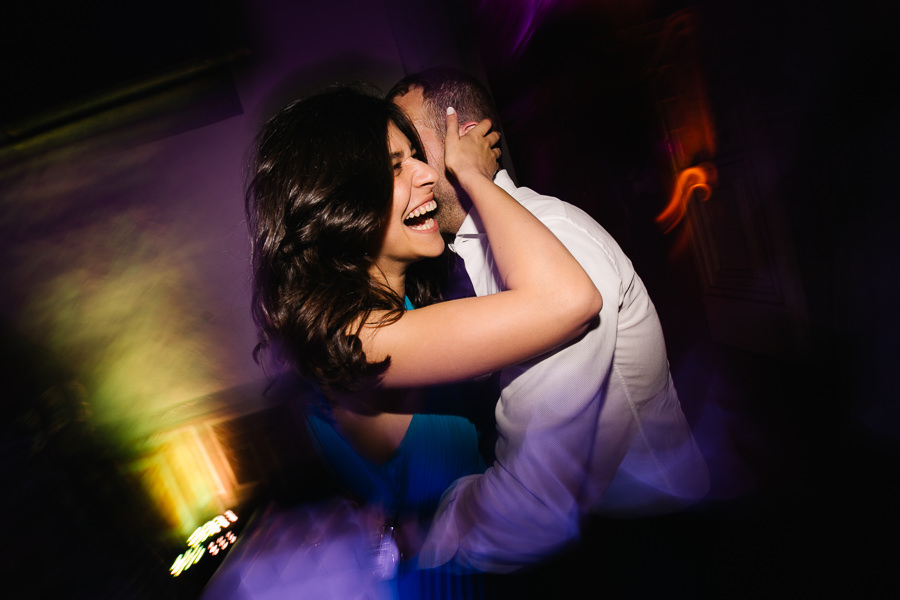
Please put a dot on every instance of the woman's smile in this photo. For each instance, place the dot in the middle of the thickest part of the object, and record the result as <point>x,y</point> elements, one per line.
<point>421,218</point>
<point>413,231</point>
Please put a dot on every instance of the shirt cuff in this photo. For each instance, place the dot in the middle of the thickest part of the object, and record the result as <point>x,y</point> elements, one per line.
<point>442,541</point>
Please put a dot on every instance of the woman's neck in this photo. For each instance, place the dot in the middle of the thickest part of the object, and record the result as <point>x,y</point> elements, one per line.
<point>394,276</point>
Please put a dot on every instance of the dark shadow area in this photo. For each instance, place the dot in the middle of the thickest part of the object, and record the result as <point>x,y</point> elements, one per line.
<point>812,440</point>
<point>77,525</point>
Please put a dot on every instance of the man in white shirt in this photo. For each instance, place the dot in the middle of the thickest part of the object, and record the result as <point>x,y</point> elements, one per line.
<point>592,427</point>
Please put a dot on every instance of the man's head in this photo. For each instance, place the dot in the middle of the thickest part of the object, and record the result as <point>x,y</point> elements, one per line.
<point>425,97</point>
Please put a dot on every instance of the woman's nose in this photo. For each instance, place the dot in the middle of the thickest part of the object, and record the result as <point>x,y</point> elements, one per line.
<point>425,174</point>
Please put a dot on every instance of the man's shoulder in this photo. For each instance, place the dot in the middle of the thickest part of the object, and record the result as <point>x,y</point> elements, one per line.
<point>577,229</point>
<point>566,220</point>
<point>558,215</point>
<point>540,205</point>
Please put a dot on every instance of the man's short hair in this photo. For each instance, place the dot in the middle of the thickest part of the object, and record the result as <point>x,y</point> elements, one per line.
<point>445,86</point>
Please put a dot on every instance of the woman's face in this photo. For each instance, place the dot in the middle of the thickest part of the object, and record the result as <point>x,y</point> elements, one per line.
<point>412,232</point>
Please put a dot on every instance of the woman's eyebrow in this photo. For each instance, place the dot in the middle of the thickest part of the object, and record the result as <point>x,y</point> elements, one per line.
<point>400,154</point>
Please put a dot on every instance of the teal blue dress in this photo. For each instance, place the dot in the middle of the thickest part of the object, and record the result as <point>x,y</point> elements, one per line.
<point>435,451</point>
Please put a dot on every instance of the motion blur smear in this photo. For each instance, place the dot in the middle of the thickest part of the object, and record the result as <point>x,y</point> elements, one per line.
<point>744,154</point>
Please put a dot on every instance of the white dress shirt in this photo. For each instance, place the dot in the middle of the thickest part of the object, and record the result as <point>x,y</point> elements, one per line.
<point>594,426</point>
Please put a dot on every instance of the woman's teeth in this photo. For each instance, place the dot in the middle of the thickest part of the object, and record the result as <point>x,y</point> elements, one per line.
<point>415,221</point>
<point>427,224</point>
<point>425,208</point>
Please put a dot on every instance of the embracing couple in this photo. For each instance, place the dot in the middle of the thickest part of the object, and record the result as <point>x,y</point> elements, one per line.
<point>349,201</point>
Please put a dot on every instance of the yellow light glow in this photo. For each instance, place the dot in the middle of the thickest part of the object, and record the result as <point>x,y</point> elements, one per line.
<point>112,280</point>
<point>186,560</point>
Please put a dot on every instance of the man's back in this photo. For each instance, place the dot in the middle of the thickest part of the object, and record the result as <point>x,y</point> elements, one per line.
<point>593,426</point>
<point>662,468</point>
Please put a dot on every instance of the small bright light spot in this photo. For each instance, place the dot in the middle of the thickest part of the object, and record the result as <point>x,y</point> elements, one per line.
<point>196,550</point>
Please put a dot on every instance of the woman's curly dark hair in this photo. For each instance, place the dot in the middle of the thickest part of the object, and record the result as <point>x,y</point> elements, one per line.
<point>318,199</point>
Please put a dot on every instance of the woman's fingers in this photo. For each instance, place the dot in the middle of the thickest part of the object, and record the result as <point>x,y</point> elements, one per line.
<point>471,150</point>
<point>452,124</point>
<point>482,128</point>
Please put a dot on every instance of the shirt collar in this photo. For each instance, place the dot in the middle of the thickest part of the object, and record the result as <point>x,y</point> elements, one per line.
<point>471,227</point>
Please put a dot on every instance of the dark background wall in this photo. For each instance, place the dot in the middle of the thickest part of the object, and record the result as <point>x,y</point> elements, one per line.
<point>804,97</point>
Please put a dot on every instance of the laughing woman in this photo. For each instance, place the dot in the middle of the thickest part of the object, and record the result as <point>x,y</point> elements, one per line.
<point>344,245</point>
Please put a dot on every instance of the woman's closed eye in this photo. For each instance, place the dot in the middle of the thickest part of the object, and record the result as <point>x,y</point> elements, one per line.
<point>399,160</point>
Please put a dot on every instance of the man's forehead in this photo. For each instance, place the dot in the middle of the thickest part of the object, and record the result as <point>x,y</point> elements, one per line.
<point>412,102</point>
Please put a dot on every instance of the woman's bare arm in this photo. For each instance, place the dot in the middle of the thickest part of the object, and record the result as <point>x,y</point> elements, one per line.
<point>549,299</point>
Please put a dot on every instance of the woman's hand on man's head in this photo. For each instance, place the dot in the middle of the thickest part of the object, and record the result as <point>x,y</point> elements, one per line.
<point>472,154</point>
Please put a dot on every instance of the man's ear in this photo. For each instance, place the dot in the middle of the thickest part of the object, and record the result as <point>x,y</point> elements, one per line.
<point>465,127</point>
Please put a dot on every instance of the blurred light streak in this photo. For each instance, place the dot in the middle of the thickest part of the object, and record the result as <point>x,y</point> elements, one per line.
<point>123,316</point>
<point>204,532</point>
<point>192,479</point>
<point>314,550</point>
<point>117,300</point>
<point>513,24</point>
<point>691,182</point>
<point>523,16</point>
<point>184,561</point>
<point>687,119</point>
<point>109,278</point>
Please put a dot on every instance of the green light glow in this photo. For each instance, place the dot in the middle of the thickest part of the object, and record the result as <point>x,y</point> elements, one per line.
<point>186,560</point>
<point>126,316</point>
<point>110,272</point>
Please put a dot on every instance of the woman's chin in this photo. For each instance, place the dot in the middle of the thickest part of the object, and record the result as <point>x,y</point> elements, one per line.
<point>433,252</point>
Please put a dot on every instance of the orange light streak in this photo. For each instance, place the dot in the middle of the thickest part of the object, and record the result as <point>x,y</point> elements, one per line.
<point>686,116</point>
<point>692,181</point>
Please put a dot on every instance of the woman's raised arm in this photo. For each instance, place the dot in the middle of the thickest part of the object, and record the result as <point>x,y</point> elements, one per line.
<point>549,299</point>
